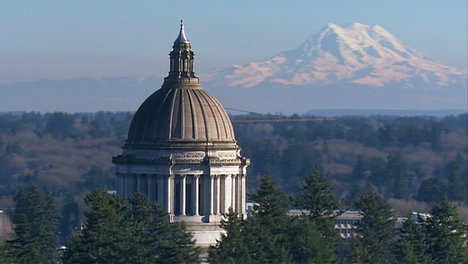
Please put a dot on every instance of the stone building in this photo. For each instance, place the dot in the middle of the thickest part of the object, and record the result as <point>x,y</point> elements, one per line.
<point>182,153</point>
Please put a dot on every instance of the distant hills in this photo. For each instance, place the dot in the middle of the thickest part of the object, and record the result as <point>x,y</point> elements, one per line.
<point>357,66</point>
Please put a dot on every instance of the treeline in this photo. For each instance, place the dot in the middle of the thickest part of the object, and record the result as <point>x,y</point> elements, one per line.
<point>134,231</point>
<point>403,157</point>
<point>422,158</point>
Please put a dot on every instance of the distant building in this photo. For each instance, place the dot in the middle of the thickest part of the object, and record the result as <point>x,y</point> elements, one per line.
<point>6,227</point>
<point>347,224</point>
<point>182,153</point>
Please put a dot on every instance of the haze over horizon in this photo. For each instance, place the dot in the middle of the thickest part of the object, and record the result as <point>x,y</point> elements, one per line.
<point>54,40</point>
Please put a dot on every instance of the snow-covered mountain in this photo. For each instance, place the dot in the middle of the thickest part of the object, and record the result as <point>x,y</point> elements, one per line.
<point>357,54</point>
<point>353,67</point>
<point>342,64</point>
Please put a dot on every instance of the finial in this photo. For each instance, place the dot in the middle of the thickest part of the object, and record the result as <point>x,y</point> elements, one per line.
<point>181,38</point>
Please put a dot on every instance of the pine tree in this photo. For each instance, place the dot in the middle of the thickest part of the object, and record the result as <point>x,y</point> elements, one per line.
<point>233,247</point>
<point>455,187</point>
<point>316,196</point>
<point>36,222</point>
<point>375,230</point>
<point>121,231</point>
<point>307,244</point>
<point>263,238</point>
<point>101,240</point>
<point>136,221</point>
<point>24,248</point>
<point>445,234</point>
<point>269,221</point>
<point>169,242</point>
<point>411,246</point>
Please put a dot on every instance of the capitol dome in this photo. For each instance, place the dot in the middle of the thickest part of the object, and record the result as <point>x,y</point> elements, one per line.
<point>180,113</point>
<point>181,152</point>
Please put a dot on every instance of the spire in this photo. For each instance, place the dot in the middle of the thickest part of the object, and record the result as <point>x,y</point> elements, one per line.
<point>181,60</point>
<point>181,38</point>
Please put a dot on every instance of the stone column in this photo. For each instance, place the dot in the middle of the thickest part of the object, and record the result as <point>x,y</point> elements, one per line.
<point>226,193</point>
<point>195,195</point>
<point>208,195</point>
<point>160,192</point>
<point>170,192</point>
<point>218,194</point>
<point>182,194</point>
<point>243,193</point>
<point>222,198</point>
<point>138,182</point>
<point>125,185</point>
<point>151,187</point>
<point>120,184</point>
<point>233,192</point>
<point>132,184</point>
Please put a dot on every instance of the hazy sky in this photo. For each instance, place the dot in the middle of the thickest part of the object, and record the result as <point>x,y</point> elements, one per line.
<point>56,39</point>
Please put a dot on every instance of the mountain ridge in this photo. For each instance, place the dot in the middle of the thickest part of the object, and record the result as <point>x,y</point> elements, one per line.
<point>357,53</point>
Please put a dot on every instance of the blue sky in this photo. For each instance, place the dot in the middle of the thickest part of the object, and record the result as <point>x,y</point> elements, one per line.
<point>54,39</point>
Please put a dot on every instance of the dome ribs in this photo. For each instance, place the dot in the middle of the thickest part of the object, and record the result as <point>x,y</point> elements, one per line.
<point>203,115</point>
<point>193,116</point>
<point>222,133</point>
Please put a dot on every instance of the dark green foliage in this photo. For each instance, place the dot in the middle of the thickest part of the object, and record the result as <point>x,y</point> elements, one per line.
<point>397,175</point>
<point>316,196</point>
<point>25,248</point>
<point>263,237</point>
<point>455,186</point>
<point>96,178</point>
<point>270,235</point>
<point>445,232</point>
<point>375,230</point>
<point>307,244</point>
<point>412,246</point>
<point>233,247</point>
<point>36,228</point>
<point>60,125</point>
<point>432,190</point>
<point>270,221</point>
<point>101,240</point>
<point>117,231</point>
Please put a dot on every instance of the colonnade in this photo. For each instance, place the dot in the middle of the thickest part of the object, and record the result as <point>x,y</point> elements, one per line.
<point>188,194</point>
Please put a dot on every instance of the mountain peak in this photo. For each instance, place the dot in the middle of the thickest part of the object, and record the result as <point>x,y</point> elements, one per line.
<point>355,54</point>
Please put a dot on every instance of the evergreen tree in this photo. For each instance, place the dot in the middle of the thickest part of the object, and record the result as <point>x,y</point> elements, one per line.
<point>170,241</point>
<point>445,233</point>
<point>411,246</point>
<point>36,228</point>
<point>120,231</point>
<point>432,189</point>
<point>269,221</point>
<point>316,196</point>
<point>25,248</point>
<point>455,187</point>
<point>102,239</point>
<point>396,173</point>
<point>233,247</point>
<point>358,169</point>
<point>375,230</point>
<point>137,223</point>
<point>307,244</point>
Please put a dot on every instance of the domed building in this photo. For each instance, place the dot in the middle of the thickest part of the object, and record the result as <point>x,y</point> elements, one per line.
<point>182,153</point>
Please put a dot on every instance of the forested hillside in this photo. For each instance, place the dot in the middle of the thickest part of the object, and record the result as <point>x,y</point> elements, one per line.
<point>420,158</point>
